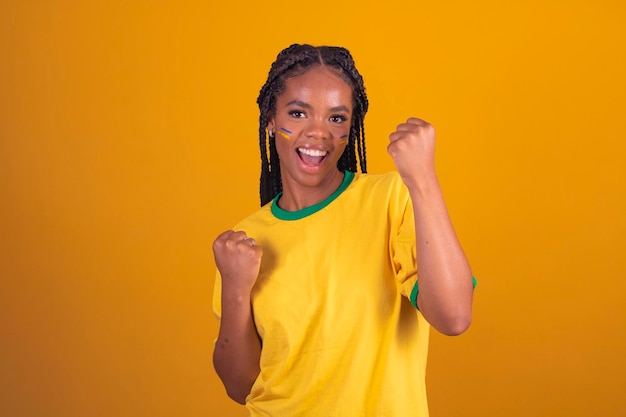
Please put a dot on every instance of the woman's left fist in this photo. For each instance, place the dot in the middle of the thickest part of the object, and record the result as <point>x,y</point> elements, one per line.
<point>412,148</point>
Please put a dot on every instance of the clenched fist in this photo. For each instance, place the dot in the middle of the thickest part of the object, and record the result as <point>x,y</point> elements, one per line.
<point>238,259</point>
<point>412,148</point>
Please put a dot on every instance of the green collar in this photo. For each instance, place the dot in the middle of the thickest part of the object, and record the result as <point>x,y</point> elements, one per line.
<point>307,211</point>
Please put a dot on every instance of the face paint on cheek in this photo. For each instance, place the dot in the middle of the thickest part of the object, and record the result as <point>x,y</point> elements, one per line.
<point>343,138</point>
<point>285,133</point>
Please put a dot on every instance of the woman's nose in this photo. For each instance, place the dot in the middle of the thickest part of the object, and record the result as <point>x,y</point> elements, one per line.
<point>316,129</point>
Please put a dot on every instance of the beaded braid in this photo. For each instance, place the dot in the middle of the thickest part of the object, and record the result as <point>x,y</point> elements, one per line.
<point>292,61</point>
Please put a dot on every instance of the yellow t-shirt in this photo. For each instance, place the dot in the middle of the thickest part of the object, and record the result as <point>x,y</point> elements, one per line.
<point>331,305</point>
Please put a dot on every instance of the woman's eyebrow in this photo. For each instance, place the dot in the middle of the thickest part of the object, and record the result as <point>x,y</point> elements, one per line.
<point>299,103</point>
<point>340,108</point>
<point>308,106</point>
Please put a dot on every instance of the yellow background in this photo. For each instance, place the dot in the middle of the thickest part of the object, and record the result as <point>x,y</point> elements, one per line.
<point>128,141</point>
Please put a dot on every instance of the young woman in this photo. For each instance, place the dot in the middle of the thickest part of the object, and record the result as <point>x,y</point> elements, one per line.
<point>321,310</point>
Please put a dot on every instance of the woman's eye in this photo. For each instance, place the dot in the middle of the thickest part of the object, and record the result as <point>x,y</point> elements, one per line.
<point>338,118</point>
<point>296,113</point>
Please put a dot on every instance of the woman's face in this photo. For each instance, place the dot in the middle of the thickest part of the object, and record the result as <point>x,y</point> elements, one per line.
<point>312,126</point>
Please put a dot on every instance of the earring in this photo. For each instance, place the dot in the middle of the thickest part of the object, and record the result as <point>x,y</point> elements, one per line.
<point>270,133</point>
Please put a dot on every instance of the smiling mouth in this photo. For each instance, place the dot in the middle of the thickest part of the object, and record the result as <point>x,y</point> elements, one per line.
<point>312,157</point>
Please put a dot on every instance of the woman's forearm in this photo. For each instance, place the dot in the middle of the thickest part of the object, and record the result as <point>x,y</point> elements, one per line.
<point>445,278</point>
<point>238,348</point>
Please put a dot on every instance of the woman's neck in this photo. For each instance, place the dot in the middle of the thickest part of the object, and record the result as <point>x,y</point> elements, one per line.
<point>297,196</point>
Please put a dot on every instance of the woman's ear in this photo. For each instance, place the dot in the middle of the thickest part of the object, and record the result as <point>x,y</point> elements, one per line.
<point>270,125</point>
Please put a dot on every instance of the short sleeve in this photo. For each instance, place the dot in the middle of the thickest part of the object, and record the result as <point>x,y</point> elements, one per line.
<point>403,249</point>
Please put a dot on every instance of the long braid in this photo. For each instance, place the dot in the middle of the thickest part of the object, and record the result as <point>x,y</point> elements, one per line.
<point>292,61</point>
<point>362,157</point>
<point>265,166</point>
<point>276,181</point>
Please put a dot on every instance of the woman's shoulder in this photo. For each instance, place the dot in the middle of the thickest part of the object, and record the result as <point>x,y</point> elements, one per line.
<point>260,216</point>
<point>388,180</point>
<point>385,189</point>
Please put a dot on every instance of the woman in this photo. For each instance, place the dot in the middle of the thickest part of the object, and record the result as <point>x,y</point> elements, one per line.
<point>317,292</point>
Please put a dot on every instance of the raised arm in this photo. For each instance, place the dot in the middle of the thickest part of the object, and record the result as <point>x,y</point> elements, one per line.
<point>445,279</point>
<point>238,348</point>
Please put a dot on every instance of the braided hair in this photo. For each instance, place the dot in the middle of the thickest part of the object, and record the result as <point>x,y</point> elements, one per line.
<point>293,61</point>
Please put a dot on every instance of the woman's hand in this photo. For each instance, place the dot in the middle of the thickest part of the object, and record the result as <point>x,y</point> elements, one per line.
<point>238,259</point>
<point>412,148</point>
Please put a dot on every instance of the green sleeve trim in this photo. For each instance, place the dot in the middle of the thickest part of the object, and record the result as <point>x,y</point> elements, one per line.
<point>416,291</point>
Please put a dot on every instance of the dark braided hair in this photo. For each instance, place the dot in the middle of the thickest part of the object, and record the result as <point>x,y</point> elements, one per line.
<point>293,61</point>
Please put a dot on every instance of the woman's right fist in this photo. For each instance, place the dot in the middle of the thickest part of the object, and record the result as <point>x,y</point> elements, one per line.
<point>238,258</point>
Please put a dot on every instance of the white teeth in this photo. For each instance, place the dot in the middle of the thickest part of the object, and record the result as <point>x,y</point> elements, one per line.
<point>312,152</point>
